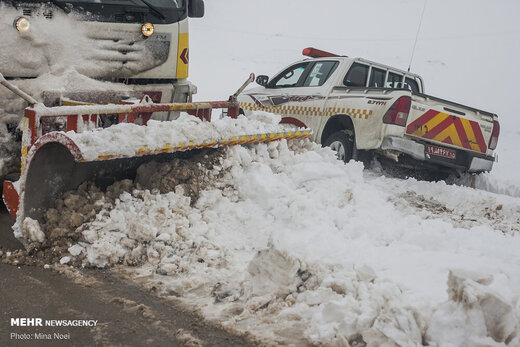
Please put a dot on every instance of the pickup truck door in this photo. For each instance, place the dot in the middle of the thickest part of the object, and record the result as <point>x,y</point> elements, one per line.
<point>352,98</point>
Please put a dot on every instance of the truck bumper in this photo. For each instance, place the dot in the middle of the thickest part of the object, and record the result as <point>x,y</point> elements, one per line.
<point>393,146</point>
<point>480,165</point>
<point>402,145</point>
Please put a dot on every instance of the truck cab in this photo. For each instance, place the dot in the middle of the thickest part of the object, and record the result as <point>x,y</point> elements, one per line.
<point>141,43</point>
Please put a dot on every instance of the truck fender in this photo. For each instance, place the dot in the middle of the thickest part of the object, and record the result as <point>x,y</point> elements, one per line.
<point>294,121</point>
<point>335,123</point>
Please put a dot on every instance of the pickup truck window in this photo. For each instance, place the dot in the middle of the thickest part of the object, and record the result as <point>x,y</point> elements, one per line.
<point>290,77</point>
<point>377,78</point>
<point>320,73</point>
<point>411,84</point>
<point>356,76</point>
<point>394,80</point>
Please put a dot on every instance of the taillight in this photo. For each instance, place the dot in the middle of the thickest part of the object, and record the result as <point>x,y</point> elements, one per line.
<point>493,141</point>
<point>317,53</point>
<point>397,114</point>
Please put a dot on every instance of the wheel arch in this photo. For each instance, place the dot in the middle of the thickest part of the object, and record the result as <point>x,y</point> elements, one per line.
<point>294,121</point>
<point>335,123</point>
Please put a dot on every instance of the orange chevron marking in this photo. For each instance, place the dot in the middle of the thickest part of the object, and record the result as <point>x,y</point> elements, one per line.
<point>445,128</point>
<point>449,135</point>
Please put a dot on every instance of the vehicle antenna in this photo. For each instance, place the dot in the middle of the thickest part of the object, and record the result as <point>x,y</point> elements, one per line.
<point>417,35</point>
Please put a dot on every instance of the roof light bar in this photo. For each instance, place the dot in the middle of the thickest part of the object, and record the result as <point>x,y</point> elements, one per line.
<point>317,53</point>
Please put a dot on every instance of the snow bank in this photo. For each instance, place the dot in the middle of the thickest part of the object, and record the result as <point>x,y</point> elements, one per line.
<point>294,246</point>
<point>127,139</point>
<point>473,302</point>
<point>494,182</point>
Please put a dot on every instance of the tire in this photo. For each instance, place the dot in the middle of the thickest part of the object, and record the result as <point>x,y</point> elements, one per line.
<point>342,142</point>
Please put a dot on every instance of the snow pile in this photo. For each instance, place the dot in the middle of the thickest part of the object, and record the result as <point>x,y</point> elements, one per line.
<point>9,146</point>
<point>290,244</point>
<point>474,308</point>
<point>33,232</point>
<point>493,182</point>
<point>450,203</point>
<point>127,139</point>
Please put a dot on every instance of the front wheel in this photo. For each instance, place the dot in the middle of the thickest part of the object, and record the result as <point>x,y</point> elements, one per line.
<point>342,142</point>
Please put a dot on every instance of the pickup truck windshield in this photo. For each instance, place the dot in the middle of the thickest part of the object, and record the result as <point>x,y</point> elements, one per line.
<point>125,11</point>
<point>290,77</point>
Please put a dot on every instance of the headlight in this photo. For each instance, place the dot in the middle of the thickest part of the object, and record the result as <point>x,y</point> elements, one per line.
<point>147,29</point>
<point>22,24</point>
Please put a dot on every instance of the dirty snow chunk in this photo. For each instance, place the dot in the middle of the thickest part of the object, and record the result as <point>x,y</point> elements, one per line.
<point>473,311</point>
<point>274,272</point>
<point>334,304</point>
<point>33,230</point>
<point>64,260</point>
<point>75,250</point>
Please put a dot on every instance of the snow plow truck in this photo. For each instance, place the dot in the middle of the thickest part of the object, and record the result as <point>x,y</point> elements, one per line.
<point>69,137</point>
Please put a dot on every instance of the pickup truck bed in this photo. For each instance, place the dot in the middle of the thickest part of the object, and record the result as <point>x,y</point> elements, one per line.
<point>448,134</point>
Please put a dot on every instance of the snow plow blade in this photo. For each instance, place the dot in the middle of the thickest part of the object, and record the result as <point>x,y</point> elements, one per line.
<point>65,146</point>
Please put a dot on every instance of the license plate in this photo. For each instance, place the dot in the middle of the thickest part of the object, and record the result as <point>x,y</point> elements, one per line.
<point>441,152</point>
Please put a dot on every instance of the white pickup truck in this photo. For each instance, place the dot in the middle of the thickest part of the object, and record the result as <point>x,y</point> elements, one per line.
<point>357,106</point>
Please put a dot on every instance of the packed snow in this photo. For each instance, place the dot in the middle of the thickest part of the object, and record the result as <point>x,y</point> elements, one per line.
<point>291,244</point>
<point>126,139</point>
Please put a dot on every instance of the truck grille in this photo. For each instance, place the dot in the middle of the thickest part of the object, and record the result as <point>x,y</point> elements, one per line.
<point>114,54</point>
<point>28,12</point>
<point>128,53</point>
<point>129,17</point>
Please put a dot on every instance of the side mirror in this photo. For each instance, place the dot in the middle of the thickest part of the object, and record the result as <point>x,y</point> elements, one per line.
<point>196,8</point>
<point>262,80</point>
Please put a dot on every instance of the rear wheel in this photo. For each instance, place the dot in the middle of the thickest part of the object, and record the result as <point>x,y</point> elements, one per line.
<point>342,142</point>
